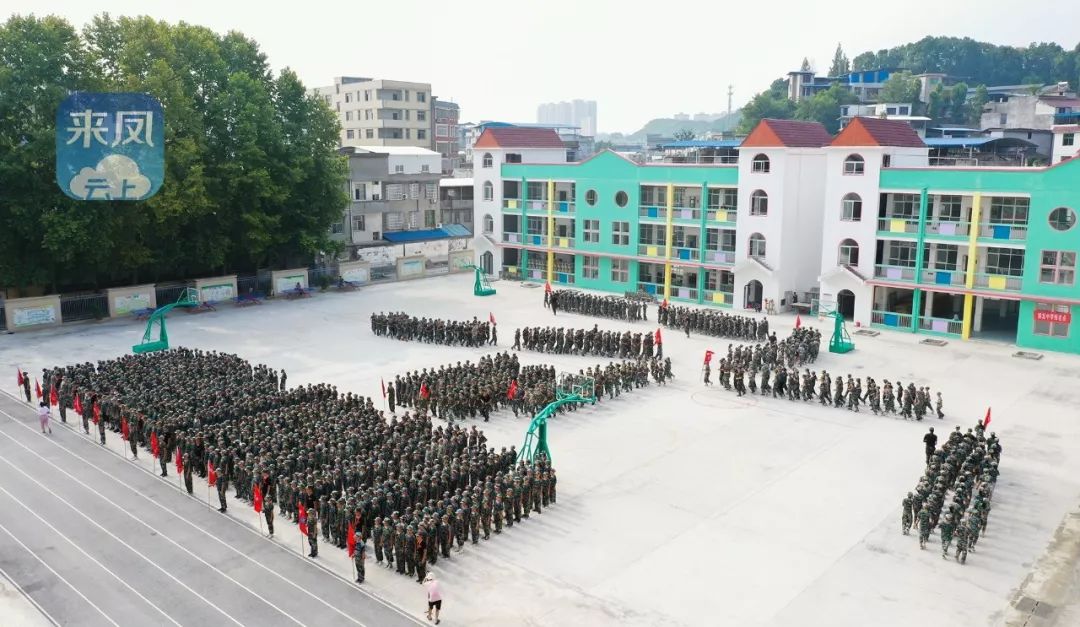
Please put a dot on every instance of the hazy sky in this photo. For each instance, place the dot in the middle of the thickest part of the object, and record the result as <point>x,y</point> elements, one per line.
<point>638,59</point>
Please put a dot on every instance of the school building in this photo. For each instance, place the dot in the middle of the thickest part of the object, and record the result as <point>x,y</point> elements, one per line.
<point>860,222</point>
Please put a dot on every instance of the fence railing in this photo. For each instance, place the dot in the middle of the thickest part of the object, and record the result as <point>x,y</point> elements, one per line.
<point>897,225</point>
<point>941,325</point>
<point>3,319</point>
<point>896,273</point>
<point>76,307</point>
<point>891,319</point>
<point>999,282</point>
<point>169,292</point>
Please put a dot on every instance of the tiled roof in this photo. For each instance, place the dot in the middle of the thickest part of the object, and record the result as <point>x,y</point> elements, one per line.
<point>878,132</point>
<point>518,137</point>
<point>771,133</point>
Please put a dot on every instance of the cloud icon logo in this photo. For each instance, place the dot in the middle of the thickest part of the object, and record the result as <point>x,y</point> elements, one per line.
<point>115,177</point>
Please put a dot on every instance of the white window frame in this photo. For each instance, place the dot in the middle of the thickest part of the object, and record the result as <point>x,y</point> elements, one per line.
<point>359,223</point>
<point>1062,267</point>
<point>761,164</point>
<point>590,231</point>
<point>756,246</point>
<point>620,233</point>
<point>489,191</point>
<point>848,248</point>
<point>486,161</point>
<point>590,267</point>
<point>489,224</point>
<point>759,203</point>
<point>854,165</point>
<point>851,208</point>
<point>620,270</point>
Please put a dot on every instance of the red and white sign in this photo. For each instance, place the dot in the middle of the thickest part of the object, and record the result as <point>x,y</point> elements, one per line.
<point>1059,317</point>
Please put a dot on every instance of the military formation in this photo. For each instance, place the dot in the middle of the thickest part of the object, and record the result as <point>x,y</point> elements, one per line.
<point>402,326</point>
<point>965,467</point>
<point>712,322</point>
<point>414,489</point>
<point>590,342</point>
<point>476,390</point>
<point>615,307</point>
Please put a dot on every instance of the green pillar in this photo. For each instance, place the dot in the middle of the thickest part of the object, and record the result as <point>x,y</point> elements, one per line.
<point>702,238</point>
<point>920,243</point>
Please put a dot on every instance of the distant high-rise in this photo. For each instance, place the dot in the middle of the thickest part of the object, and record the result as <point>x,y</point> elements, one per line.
<point>580,113</point>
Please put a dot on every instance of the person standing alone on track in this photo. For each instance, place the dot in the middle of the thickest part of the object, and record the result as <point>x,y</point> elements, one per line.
<point>434,596</point>
<point>43,416</point>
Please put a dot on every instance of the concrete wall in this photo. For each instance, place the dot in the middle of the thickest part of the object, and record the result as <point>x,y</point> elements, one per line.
<point>216,289</point>
<point>355,271</point>
<point>124,300</point>
<point>282,280</point>
<point>379,256</point>
<point>459,258</point>
<point>32,313</point>
<point>411,267</point>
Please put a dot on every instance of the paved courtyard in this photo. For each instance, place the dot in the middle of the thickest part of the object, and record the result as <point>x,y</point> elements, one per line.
<point>678,505</point>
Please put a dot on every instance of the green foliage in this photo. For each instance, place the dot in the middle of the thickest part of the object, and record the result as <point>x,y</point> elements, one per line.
<point>985,63</point>
<point>824,107</point>
<point>840,64</point>
<point>902,87</point>
<point>252,175</point>
<point>684,134</point>
<point>771,103</point>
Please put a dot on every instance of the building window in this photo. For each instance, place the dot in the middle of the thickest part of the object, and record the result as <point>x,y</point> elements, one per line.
<point>414,190</point>
<point>950,209</point>
<point>399,169</point>
<point>620,270</point>
<point>421,134</point>
<point>757,246</point>
<point>1068,139</point>
<point>886,161</point>
<point>535,225</point>
<point>620,233</point>
<point>489,224</point>
<point>849,253</point>
<point>1052,320</point>
<point>1009,210</point>
<point>337,228</point>
<point>1058,267</point>
<point>852,208</point>
<point>486,162</point>
<point>591,231</point>
<point>348,116</point>
<point>590,197</point>
<point>431,190</point>
<point>653,196</point>
<point>854,165</point>
<point>759,203</point>
<point>905,206</point>
<point>621,198</point>
<point>350,134</point>
<point>590,267</point>
<point>421,116</point>
<point>512,157</point>
<point>1006,261</point>
<point>367,114</point>
<point>358,223</point>
<point>760,164</point>
<point>1062,219</point>
<point>421,96</point>
<point>901,254</point>
<point>945,257</point>
<point>425,169</point>
<point>536,190</point>
<point>442,130</point>
<point>369,133</point>
<point>489,191</point>
<point>723,198</point>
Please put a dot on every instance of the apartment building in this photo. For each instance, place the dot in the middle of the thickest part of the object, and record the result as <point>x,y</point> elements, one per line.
<point>445,131</point>
<point>380,112</point>
<point>885,238</point>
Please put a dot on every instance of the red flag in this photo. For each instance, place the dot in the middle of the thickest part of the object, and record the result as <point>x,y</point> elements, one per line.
<point>179,462</point>
<point>37,389</point>
<point>425,393</point>
<point>708,356</point>
<point>54,398</point>
<point>798,321</point>
<point>986,420</point>
<point>383,384</point>
<point>78,403</point>
<point>125,431</point>
<point>658,341</point>
<point>547,287</point>
<point>97,412</point>
<point>302,518</point>
<point>211,475</point>
<point>20,379</point>
<point>350,539</point>
<point>155,449</point>
<point>513,390</point>
<point>491,317</point>
<point>257,499</point>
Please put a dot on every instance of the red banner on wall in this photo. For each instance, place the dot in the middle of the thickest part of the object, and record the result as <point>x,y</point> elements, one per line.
<point>1059,317</point>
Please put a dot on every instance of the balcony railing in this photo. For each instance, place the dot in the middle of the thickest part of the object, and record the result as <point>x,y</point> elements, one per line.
<point>534,239</point>
<point>686,213</point>
<point>511,204</point>
<point>891,319</point>
<point>894,273</point>
<point>1004,232</point>
<point>944,277</point>
<point>685,254</point>
<point>656,289</point>
<point>677,291</point>
<point>946,228</point>
<point>1001,282</point>
<point>941,325</point>
<point>652,212</point>
<point>651,250</point>
<point>898,225</point>
<point>720,297</point>
<point>564,242</point>
<point>724,215</point>
<point>511,238</point>
<point>720,256</point>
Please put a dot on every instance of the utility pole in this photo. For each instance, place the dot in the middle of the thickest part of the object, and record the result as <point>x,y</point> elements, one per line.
<point>730,93</point>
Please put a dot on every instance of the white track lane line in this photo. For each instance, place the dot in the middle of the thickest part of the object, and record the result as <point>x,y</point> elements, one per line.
<point>198,528</point>
<point>58,576</point>
<point>160,533</point>
<point>88,556</point>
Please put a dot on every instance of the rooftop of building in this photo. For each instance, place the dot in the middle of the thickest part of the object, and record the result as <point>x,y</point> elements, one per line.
<point>397,151</point>
<point>878,132</point>
<point>518,137</point>
<point>770,133</point>
<point>456,182</point>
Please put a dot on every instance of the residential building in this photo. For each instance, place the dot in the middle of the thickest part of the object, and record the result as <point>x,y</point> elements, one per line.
<point>865,84</point>
<point>904,112</point>
<point>456,202</point>
<point>391,189</point>
<point>864,222</point>
<point>579,113</point>
<point>380,112</point>
<point>1030,117</point>
<point>1066,142</point>
<point>446,134</point>
<point>577,145</point>
<point>501,203</point>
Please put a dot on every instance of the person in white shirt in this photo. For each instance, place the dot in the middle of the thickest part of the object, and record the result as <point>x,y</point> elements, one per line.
<point>43,416</point>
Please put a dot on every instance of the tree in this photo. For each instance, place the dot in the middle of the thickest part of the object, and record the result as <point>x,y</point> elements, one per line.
<point>684,134</point>
<point>958,112</point>
<point>976,104</point>
<point>937,107</point>
<point>805,67</point>
<point>252,173</point>
<point>771,103</point>
<point>901,87</point>
<point>840,64</point>
<point>824,106</point>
